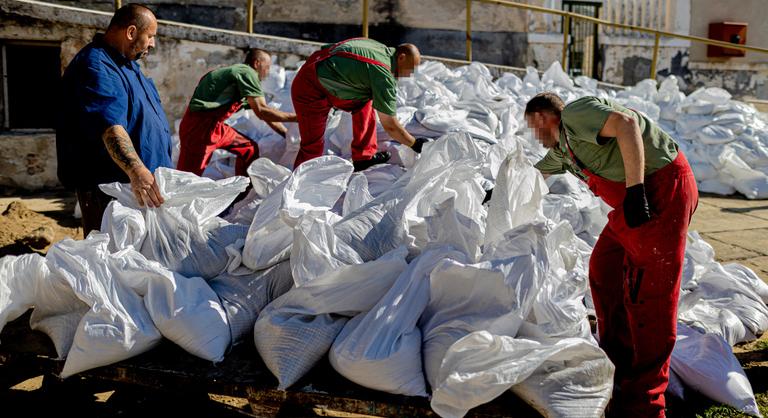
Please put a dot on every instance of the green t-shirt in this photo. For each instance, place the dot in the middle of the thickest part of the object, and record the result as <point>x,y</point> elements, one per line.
<point>582,120</point>
<point>224,86</point>
<point>350,79</point>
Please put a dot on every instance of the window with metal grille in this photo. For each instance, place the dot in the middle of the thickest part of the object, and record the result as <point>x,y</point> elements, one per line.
<point>30,86</point>
<point>583,53</point>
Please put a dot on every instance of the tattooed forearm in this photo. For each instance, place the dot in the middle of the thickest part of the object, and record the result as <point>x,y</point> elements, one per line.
<point>120,148</point>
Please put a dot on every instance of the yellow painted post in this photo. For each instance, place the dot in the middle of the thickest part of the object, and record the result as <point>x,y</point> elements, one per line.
<point>655,59</point>
<point>250,16</point>
<point>469,30</point>
<point>118,4</point>
<point>365,18</point>
<point>566,33</point>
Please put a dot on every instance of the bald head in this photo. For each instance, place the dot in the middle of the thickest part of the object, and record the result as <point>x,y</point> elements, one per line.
<point>408,58</point>
<point>132,31</point>
<point>132,15</point>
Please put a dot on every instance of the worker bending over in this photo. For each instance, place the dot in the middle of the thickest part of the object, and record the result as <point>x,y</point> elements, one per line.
<point>636,265</point>
<point>218,95</point>
<point>357,75</point>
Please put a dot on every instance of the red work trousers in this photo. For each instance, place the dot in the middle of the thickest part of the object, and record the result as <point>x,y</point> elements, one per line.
<point>634,274</point>
<point>312,102</point>
<point>203,132</point>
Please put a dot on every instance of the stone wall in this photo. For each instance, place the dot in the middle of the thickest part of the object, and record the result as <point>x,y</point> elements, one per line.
<point>28,161</point>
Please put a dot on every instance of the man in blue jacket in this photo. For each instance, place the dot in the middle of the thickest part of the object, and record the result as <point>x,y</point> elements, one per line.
<point>113,127</point>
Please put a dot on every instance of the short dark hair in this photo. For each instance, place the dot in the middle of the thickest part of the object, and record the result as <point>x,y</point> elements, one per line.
<point>252,54</point>
<point>131,14</point>
<point>545,102</point>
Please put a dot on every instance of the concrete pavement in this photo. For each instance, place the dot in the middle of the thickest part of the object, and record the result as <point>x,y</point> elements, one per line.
<point>736,228</point>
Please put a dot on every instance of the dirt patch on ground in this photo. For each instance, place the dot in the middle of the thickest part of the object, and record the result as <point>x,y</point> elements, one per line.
<point>23,230</point>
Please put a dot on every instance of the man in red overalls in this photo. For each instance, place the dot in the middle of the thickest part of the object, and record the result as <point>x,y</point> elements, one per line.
<point>636,265</point>
<point>357,75</point>
<point>218,95</point>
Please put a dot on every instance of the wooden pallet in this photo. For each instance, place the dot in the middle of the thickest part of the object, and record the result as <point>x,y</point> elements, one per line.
<point>241,375</point>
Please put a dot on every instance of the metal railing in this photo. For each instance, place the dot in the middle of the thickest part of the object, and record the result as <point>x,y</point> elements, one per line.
<point>567,16</point>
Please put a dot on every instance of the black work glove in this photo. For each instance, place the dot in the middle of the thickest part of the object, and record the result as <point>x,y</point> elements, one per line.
<point>419,143</point>
<point>636,210</point>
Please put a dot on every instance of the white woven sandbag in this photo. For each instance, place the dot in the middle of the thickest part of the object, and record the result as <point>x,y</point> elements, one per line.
<point>244,296</point>
<point>125,225</point>
<point>381,349</point>
<point>297,329</point>
<point>185,310</point>
<point>19,279</point>
<point>183,234</point>
<point>705,362</point>
<point>117,326</point>
<point>482,366</point>
<point>315,186</point>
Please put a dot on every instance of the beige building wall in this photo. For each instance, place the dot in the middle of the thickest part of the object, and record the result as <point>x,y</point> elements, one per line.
<point>752,12</point>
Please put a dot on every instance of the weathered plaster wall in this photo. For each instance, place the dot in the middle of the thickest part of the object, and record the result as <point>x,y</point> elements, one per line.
<point>543,49</point>
<point>627,61</point>
<point>28,161</point>
<point>747,81</point>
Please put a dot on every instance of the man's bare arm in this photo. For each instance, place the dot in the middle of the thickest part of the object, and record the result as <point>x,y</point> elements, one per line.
<point>395,129</point>
<point>120,148</point>
<point>278,127</point>
<point>627,132</point>
<point>269,114</point>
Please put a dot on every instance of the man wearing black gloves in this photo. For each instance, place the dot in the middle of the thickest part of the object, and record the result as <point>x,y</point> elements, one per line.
<point>636,265</point>
<point>358,76</point>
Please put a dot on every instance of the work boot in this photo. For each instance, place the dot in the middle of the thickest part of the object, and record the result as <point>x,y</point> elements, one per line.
<point>378,158</point>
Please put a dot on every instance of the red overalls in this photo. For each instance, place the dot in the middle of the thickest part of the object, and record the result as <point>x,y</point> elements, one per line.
<point>312,102</point>
<point>204,131</point>
<point>634,275</point>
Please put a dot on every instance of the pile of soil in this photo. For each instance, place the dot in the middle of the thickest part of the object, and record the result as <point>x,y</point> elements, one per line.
<point>23,230</point>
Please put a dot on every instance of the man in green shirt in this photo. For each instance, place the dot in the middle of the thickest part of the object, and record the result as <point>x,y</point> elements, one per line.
<point>359,76</point>
<point>636,265</point>
<point>218,95</point>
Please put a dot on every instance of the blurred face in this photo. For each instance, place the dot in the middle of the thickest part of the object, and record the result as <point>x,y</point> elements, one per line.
<point>140,42</point>
<point>406,64</point>
<point>262,65</point>
<point>545,126</point>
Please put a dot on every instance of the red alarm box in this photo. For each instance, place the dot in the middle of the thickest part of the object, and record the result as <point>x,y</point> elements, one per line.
<point>733,32</point>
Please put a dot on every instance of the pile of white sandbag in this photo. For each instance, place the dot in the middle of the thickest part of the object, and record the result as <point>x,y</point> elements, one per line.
<point>726,141</point>
<point>398,273</point>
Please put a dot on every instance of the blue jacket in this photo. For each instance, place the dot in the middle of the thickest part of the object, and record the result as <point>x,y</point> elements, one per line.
<point>102,88</point>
